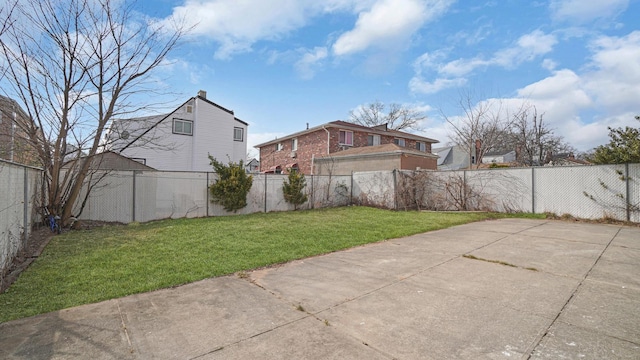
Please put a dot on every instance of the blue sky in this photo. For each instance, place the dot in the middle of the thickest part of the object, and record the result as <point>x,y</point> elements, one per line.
<point>280,64</point>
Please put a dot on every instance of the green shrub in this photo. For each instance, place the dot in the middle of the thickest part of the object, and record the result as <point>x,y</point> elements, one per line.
<point>293,189</point>
<point>232,186</point>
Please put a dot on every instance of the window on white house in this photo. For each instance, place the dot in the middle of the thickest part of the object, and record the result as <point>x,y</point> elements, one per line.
<point>373,140</point>
<point>182,127</point>
<point>294,144</point>
<point>346,137</point>
<point>238,134</point>
<point>189,109</point>
<point>279,146</point>
<point>420,146</point>
<point>399,142</point>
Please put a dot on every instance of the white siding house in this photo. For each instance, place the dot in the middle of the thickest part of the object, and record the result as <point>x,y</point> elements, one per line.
<point>182,139</point>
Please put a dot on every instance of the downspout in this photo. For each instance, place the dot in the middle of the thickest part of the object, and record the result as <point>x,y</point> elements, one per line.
<point>328,138</point>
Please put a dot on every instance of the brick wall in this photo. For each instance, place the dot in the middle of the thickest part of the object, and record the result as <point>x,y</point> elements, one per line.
<point>315,143</point>
<point>308,145</point>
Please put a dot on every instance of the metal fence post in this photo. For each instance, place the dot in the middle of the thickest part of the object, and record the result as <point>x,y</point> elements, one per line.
<point>395,190</point>
<point>207,196</point>
<point>464,189</point>
<point>133,203</point>
<point>25,217</point>
<point>533,190</point>
<point>628,191</point>
<point>265,191</point>
<point>351,192</point>
<point>313,191</point>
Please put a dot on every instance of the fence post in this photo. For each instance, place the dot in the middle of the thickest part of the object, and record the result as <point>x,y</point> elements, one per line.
<point>207,197</point>
<point>395,190</point>
<point>25,217</point>
<point>628,191</point>
<point>265,191</point>
<point>351,191</point>
<point>313,191</point>
<point>464,189</point>
<point>533,190</point>
<point>133,206</point>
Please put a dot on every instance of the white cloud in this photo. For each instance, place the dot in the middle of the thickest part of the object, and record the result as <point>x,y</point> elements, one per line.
<point>387,24</point>
<point>581,11</point>
<point>580,106</point>
<point>419,85</point>
<point>451,74</point>
<point>527,48</point>
<point>236,25</point>
<point>549,64</point>
<point>615,79</point>
<point>306,66</point>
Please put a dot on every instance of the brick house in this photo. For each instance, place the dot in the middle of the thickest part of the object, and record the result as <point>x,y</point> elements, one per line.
<point>299,150</point>
<point>15,144</point>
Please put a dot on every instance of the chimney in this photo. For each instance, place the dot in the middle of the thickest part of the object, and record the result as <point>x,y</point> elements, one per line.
<point>307,126</point>
<point>202,94</point>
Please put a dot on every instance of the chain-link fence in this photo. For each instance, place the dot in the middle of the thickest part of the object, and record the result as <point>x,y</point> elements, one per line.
<point>126,196</point>
<point>592,192</point>
<point>20,194</point>
<point>589,192</point>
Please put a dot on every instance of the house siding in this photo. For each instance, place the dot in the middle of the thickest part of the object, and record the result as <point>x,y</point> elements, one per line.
<point>212,129</point>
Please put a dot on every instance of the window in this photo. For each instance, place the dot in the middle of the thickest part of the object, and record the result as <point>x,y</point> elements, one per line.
<point>346,137</point>
<point>399,142</point>
<point>373,140</point>
<point>278,146</point>
<point>189,109</point>
<point>420,146</point>
<point>294,144</point>
<point>238,134</point>
<point>183,127</point>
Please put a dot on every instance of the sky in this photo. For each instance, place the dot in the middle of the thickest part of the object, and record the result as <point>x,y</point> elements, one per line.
<point>280,64</point>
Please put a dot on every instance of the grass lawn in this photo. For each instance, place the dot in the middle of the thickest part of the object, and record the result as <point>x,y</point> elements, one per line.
<point>83,267</point>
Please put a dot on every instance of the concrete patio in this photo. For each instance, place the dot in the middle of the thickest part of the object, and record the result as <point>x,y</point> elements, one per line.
<point>505,289</point>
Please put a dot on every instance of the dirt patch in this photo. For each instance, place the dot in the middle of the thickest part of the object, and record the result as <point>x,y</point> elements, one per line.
<point>37,241</point>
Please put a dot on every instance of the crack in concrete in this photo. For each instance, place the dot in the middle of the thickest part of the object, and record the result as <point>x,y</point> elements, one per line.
<point>532,348</point>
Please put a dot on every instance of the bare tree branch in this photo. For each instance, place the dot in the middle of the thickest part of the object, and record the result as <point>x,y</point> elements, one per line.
<point>481,127</point>
<point>75,65</point>
<point>396,116</point>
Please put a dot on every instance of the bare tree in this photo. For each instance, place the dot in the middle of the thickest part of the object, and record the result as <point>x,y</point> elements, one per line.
<point>534,139</point>
<point>481,127</point>
<point>75,65</point>
<point>396,116</point>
